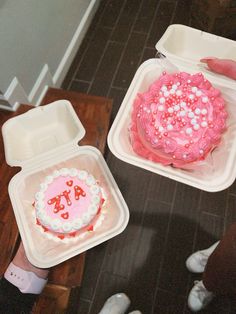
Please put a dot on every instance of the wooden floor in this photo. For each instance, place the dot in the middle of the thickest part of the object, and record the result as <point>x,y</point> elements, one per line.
<point>168,220</point>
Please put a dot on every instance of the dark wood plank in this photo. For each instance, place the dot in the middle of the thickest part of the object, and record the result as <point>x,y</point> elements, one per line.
<point>130,61</point>
<point>109,284</point>
<point>214,203</point>
<point>182,12</point>
<point>110,14</point>
<point>126,20</point>
<point>117,94</point>
<point>162,20</point>
<point>169,303</point>
<point>145,17</point>
<point>89,62</point>
<point>147,259</point>
<point>79,86</point>
<point>8,227</point>
<point>54,299</point>
<point>106,69</point>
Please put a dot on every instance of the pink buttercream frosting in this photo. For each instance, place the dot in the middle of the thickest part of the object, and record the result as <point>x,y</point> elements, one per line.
<point>179,120</point>
<point>67,201</point>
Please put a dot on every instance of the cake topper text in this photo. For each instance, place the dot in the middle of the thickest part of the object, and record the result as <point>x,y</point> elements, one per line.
<point>68,197</point>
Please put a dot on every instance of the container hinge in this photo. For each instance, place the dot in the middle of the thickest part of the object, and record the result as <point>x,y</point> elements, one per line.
<point>159,55</point>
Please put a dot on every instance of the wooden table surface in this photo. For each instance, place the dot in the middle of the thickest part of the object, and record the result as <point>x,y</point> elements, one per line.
<point>94,113</point>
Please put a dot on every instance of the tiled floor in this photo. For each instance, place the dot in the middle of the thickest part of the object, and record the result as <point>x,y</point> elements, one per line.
<point>168,220</point>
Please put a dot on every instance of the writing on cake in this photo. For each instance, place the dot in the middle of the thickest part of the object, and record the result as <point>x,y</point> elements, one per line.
<point>68,201</point>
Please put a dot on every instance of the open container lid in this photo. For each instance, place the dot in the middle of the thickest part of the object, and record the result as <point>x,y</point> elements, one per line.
<point>183,47</point>
<point>43,140</point>
<point>34,134</point>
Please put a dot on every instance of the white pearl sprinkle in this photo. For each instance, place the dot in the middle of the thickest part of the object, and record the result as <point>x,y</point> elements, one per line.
<point>172,91</point>
<point>164,88</point>
<point>204,111</point>
<point>190,114</point>
<point>204,124</point>
<point>161,128</point>
<point>162,100</point>
<point>182,113</point>
<point>170,110</point>
<point>174,86</point>
<point>178,92</point>
<point>201,151</point>
<point>194,89</point>
<point>204,99</point>
<point>176,108</point>
<point>170,127</point>
<point>198,93</point>
<point>196,127</point>
<point>166,94</point>
<point>160,108</point>
<point>197,111</point>
<point>193,121</point>
<point>189,130</point>
<point>183,104</point>
<point>191,96</point>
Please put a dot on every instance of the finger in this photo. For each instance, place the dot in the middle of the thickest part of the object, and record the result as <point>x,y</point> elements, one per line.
<point>225,67</point>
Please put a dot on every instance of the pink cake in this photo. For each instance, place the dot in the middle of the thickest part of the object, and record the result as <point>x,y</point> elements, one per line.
<point>68,201</point>
<point>179,120</point>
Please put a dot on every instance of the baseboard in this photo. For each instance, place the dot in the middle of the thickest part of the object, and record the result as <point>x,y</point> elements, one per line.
<point>40,87</point>
<point>73,47</point>
<point>9,108</point>
<point>4,104</point>
<point>15,95</point>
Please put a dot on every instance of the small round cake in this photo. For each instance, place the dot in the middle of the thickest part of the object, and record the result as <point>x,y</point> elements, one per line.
<point>67,202</point>
<point>179,120</point>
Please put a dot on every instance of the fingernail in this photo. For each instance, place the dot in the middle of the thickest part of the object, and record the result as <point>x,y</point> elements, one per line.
<point>207,59</point>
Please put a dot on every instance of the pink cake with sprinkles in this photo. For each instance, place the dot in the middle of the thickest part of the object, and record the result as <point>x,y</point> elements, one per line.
<point>68,202</point>
<point>179,120</point>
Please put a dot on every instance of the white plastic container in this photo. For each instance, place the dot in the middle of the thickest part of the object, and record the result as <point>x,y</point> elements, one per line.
<point>40,141</point>
<point>184,47</point>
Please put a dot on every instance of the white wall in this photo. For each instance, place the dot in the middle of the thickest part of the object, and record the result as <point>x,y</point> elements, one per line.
<point>40,36</point>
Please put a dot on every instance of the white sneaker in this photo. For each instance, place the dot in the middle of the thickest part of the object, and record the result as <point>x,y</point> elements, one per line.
<point>199,297</point>
<point>135,312</point>
<point>196,262</point>
<point>116,304</point>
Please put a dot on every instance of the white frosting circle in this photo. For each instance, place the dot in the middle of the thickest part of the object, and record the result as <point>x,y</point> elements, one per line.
<point>56,224</point>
